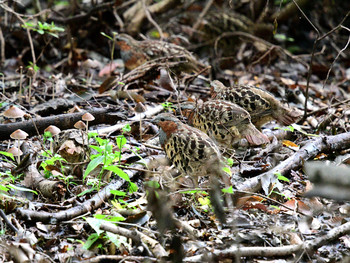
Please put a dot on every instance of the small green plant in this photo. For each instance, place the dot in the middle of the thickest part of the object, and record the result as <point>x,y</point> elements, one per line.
<point>228,190</point>
<point>44,28</point>
<point>295,127</point>
<point>283,38</point>
<point>52,160</point>
<point>280,177</point>
<point>6,183</point>
<point>10,155</point>
<point>101,235</point>
<point>107,157</point>
<point>32,66</point>
<point>277,184</point>
<point>229,163</point>
<point>167,106</point>
<point>113,44</point>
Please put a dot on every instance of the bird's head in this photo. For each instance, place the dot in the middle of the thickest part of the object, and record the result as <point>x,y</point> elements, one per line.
<point>168,124</point>
<point>215,87</point>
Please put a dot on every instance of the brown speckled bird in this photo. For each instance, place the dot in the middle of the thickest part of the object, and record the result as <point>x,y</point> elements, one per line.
<point>261,105</point>
<point>189,149</point>
<point>135,53</point>
<point>223,121</point>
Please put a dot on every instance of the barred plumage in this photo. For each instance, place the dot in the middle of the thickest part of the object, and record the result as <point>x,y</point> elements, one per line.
<point>223,121</point>
<point>260,104</point>
<point>189,149</point>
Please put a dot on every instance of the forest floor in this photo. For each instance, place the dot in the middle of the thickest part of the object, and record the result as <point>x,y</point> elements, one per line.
<point>102,189</point>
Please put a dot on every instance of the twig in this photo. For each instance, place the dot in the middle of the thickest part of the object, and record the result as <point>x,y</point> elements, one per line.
<point>149,17</point>
<point>247,35</point>
<point>339,53</point>
<point>8,9</point>
<point>308,246</point>
<point>328,107</point>
<point>7,221</point>
<point>2,51</point>
<point>202,14</point>
<point>272,200</point>
<point>295,161</point>
<point>119,258</point>
<point>318,38</point>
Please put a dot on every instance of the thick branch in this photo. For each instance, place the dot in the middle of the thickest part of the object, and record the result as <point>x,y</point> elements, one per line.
<point>310,150</point>
<point>62,121</point>
<point>308,246</point>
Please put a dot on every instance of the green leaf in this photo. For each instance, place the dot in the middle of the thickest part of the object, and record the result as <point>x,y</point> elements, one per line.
<point>7,154</point>
<point>53,34</point>
<point>227,170</point>
<point>275,26</point>
<point>126,128</point>
<point>117,239</point>
<point>288,128</point>
<point>194,192</point>
<point>22,189</point>
<point>118,172</point>
<point>281,177</point>
<point>118,193</point>
<point>95,224</point>
<point>204,201</point>
<point>3,188</point>
<point>229,161</point>
<point>97,148</point>
<point>110,218</point>
<point>107,36</point>
<point>152,184</point>
<point>228,190</point>
<point>86,191</point>
<point>91,240</point>
<point>132,187</point>
<point>92,165</point>
<point>121,141</point>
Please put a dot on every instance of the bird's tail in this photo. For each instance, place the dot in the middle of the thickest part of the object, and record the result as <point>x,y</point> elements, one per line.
<point>288,116</point>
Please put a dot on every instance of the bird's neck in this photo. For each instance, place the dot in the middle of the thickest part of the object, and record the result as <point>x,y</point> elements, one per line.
<point>166,129</point>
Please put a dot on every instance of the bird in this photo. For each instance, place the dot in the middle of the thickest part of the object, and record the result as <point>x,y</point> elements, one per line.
<point>134,53</point>
<point>223,121</point>
<point>190,150</point>
<point>261,105</point>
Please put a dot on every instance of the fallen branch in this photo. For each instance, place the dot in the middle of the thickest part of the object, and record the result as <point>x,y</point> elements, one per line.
<point>48,188</point>
<point>62,121</point>
<point>150,111</point>
<point>310,150</point>
<point>89,205</point>
<point>138,237</point>
<point>53,218</point>
<point>308,247</point>
<point>119,258</point>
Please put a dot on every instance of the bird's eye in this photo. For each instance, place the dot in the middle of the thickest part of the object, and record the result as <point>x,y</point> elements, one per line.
<point>162,119</point>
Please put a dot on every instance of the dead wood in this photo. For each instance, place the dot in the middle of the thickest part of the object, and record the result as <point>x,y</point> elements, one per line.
<point>119,258</point>
<point>308,247</point>
<point>62,121</point>
<point>88,206</point>
<point>310,150</point>
<point>138,237</point>
<point>48,188</point>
